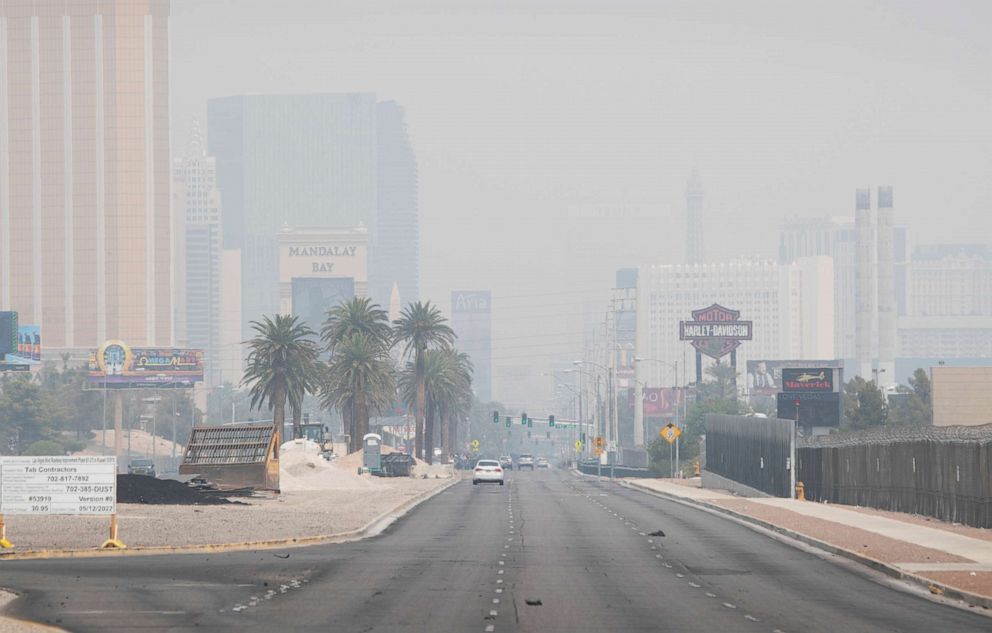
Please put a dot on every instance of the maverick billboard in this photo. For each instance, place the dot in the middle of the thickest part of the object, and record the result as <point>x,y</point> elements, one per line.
<point>117,366</point>
<point>764,377</point>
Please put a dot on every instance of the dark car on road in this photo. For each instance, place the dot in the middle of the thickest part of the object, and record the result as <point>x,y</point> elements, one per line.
<point>141,467</point>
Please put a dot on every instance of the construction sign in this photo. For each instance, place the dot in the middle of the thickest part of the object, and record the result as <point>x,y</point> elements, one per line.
<point>578,446</point>
<point>670,432</point>
<point>475,446</point>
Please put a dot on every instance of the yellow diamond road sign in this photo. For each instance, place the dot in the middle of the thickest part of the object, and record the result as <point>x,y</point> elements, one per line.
<point>671,433</point>
<point>475,445</point>
<point>578,445</point>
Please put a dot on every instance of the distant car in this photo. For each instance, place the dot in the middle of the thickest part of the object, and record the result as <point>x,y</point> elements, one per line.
<point>141,467</point>
<point>543,463</point>
<point>487,471</point>
<point>506,462</point>
<point>526,460</point>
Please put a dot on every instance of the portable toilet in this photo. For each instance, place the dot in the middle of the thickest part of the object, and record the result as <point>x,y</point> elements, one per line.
<point>372,452</point>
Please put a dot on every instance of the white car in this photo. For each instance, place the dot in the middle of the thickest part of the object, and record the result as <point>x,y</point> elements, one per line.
<point>487,471</point>
<point>543,463</point>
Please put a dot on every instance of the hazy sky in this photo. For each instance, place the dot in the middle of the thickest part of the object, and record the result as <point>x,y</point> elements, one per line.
<point>529,117</point>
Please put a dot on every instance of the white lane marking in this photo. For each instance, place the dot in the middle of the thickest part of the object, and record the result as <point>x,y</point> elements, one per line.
<point>499,590</point>
<point>493,613</point>
<point>710,595</point>
<point>650,540</point>
<point>657,555</point>
<point>502,563</point>
<point>499,581</point>
<point>98,612</point>
<point>680,575</point>
<point>495,600</point>
<point>751,618</point>
<point>694,585</point>
<point>729,606</point>
<point>500,571</point>
<point>490,628</point>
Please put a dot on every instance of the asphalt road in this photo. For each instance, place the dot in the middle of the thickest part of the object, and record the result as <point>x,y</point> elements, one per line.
<point>547,552</point>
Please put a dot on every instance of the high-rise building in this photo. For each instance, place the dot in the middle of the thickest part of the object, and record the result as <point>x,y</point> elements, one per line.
<point>294,160</point>
<point>471,319</point>
<point>866,280</point>
<point>950,304</point>
<point>887,308</point>
<point>835,238</point>
<point>85,224</point>
<point>695,245</point>
<point>769,294</point>
<point>198,247</point>
<point>396,258</point>
<point>231,342</point>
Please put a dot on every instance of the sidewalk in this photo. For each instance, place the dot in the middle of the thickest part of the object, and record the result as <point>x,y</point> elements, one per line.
<point>949,559</point>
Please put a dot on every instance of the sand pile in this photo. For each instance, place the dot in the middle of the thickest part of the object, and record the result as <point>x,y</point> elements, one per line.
<point>354,461</point>
<point>302,468</point>
<point>141,443</point>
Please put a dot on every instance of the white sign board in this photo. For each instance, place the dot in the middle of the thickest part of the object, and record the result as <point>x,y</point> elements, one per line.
<point>58,485</point>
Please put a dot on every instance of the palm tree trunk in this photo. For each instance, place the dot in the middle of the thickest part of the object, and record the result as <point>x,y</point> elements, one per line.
<point>297,420</point>
<point>445,434</point>
<point>348,423</point>
<point>278,416</point>
<point>429,433</point>
<point>421,412</point>
<point>361,415</point>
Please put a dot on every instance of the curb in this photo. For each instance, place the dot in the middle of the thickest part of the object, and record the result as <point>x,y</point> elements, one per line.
<point>372,528</point>
<point>934,587</point>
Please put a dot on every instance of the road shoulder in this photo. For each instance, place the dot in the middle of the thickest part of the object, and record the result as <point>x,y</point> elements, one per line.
<point>834,530</point>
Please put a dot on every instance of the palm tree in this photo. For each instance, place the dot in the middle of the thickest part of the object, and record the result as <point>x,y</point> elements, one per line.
<point>358,315</point>
<point>447,386</point>
<point>282,365</point>
<point>359,377</point>
<point>421,327</point>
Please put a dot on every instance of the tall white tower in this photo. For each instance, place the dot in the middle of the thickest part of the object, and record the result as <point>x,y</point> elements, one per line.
<point>865,309</point>
<point>694,224</point>
<point>886,288</point>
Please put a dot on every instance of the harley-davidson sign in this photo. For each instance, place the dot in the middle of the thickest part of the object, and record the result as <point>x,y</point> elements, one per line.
<point>715,331</point>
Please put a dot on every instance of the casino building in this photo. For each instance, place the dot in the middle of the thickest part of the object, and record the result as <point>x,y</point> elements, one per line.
<point>319,268</point>
<point>790,305</point>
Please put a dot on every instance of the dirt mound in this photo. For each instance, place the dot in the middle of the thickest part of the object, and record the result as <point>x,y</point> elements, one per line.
<point>302,468</point>
<point>354,461</point>
<point>142,489</point>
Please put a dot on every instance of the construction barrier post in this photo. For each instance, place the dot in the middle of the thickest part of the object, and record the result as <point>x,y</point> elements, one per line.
<point>800,491</point>
<point>4,543</point>
<point>113,542</point>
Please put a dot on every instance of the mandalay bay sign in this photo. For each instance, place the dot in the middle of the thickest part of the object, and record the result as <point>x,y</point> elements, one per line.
<point>715,331</point>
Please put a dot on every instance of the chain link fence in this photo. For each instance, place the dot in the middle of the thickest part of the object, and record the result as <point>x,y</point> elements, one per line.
<point>942,472</point>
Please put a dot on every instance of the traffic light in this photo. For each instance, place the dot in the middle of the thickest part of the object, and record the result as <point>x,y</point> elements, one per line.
<point>523,418</point>
<point>509,421</point>
<point>551,421</point>
<point>582,437</point>
<point>530,423</point>
<point>495,417</point>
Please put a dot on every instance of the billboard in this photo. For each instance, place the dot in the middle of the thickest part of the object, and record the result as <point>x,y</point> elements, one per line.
<point>660,402</point>
<point>117,366</point>
<point>814,408</point>
<point>8,333</point>
<point>807,380</point>
<point>715,331</point>
<point>764,377</point>
<point>28,345</point>
<point>323,259</point>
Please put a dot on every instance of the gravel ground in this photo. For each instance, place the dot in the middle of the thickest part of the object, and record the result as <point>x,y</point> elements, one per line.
<point>974,582</point>
<point>289,515</point>
<point>873,545</point>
